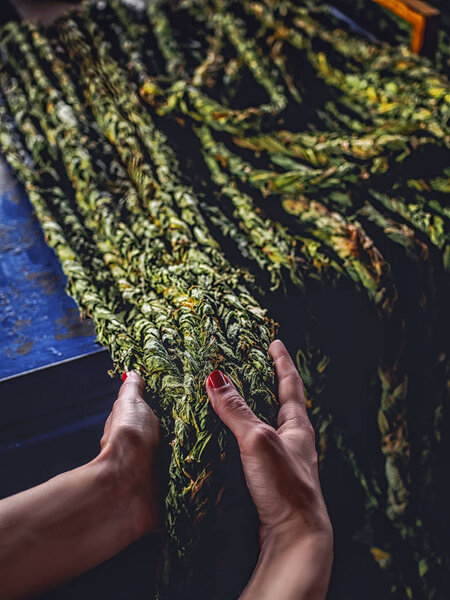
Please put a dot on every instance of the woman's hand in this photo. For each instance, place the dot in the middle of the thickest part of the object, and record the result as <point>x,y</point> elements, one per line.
<point>55,531</point>
<point>280,468</point>
<point>129,447</point>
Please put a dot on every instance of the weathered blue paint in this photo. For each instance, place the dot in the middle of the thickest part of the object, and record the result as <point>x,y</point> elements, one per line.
<point>39,322</point>
<point>351,23</point>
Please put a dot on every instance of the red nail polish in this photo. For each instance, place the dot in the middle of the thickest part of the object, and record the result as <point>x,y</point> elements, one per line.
<point>124,376</point>
<point>217,379</point>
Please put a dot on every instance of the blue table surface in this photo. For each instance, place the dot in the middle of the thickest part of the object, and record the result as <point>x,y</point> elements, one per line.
<point>39,322</point>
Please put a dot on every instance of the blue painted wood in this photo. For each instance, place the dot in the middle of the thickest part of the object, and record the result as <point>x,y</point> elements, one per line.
<point>39,322</point>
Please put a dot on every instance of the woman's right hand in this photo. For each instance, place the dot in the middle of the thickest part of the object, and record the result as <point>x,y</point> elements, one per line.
<point>280,468</point>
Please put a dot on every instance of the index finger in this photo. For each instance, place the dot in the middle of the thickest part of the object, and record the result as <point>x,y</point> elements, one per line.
<point>130,401</point>
<point>290,386</point>
<point>132,387</point>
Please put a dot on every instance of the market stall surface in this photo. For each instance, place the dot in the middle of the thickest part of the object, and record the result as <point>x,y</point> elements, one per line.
<point>40,324</point>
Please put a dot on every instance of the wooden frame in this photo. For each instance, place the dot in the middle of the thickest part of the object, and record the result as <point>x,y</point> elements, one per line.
<point>424,19</point>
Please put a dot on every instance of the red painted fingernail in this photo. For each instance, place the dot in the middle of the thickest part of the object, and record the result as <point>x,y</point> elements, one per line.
<point>124,376</point>
<point>217,379</point>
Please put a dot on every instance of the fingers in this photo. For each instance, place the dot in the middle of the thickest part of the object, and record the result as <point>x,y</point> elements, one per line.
<point>130,401</point>
<point>229,405</point>
<point>132,387</point>
<point>290,387</point>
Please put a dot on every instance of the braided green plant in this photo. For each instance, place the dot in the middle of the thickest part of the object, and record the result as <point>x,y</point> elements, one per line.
<point>304,175</point>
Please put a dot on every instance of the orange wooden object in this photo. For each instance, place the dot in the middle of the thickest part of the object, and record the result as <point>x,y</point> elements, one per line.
<point>424,19</point>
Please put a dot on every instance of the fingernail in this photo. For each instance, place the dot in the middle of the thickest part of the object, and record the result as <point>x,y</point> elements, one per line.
<point>124,376</point>
<point>217,379</point>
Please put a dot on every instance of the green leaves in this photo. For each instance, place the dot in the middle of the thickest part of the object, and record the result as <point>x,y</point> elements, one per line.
<point>186,184</point>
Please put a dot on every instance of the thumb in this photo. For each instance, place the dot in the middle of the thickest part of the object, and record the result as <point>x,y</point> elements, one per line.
<point>229,405</point>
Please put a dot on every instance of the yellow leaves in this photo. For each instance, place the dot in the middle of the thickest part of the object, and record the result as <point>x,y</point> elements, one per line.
<point>434,128</point>
<point>257,8</point>
<point>418,184</point>
<point>423,567</point>
<point>323,364</point>
<point>323,63</point>
<point>275,256</point>
<point>402,65</point>
<point>383,424</point>
<point>66,254</point>
<point>371,93</point>
<point>148,89</point>
<point>361,147</point>
<point>294,206</point>
<point>382,557</point>
<point>246,143</point>
<point>380,165</point>
<point>436,92</point>
<point>282,32</point>
<point>422,113</point>
<point>194,486</point>
<point>51,137</point>
<point>190,303</point>
<point>110,135</point>
<point>386,107</point>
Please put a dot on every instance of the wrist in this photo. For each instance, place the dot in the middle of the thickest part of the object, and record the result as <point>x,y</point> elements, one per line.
<point>290,535</point>
<point>129,495</point>
<point>294,563</point>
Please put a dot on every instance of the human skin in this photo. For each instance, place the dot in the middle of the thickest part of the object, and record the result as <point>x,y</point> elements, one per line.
<point>280,468</point>
<point>73,522</point>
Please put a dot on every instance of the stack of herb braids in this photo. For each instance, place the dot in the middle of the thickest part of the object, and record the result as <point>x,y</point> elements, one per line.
<point>305,179</point>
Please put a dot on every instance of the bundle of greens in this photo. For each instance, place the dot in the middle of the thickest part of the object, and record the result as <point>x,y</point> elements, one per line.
<point>314,194</point>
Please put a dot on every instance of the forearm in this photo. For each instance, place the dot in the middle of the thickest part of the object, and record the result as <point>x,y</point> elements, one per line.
<point>292,570</point>
<point>57,530</point>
